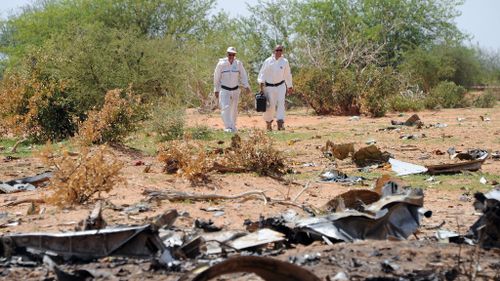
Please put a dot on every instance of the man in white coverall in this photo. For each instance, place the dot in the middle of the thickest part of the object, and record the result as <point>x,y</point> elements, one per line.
<point>228,74</point>
<point>275,80</point>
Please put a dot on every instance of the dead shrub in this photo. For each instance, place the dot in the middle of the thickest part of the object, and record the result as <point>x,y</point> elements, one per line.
<point>113,122</point>
<point>255,154</point>
<point>76,179</point>
<point>188,158</point>
<point>193,161</point>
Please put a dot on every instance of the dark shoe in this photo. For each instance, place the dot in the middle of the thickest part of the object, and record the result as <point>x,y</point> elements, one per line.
<point>281,125</point>
<point>269,125</point>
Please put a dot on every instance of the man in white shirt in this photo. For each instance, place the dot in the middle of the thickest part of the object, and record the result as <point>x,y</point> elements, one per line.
<point>275,80</point>
<point>228,74</point>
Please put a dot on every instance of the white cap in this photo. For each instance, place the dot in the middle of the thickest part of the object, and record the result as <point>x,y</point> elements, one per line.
<point>231,50</point>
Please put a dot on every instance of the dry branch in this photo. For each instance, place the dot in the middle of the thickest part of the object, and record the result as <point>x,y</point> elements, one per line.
<point>22,201</point>
<point>181,196</point>
<point>14,148</point>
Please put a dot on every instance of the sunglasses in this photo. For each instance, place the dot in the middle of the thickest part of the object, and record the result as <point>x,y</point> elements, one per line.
<point>231,55</point>
<point>278,50</point>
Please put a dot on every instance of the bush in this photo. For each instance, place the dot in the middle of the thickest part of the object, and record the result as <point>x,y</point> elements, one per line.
<point>36,106</point>
<point>488,99</point>
<point>200,132</point>
<point>113,122</point>
<point>188,159</point>
<point>316,88</point>
<point>76,179</point>
<point>382,84</point>
<point>441,63</point>
<point>411,99</point>
<point>328,92</point>
<point>167,121</point>
<point>347,91</point>
<point>255,154</point>
<point>194,162</point>
<point>403,103</point>
<point>446,95</point>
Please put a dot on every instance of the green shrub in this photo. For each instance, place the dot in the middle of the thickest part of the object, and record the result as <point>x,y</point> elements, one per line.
<point>404,103</point>
<point>328,91</point>
<point>202,132</point>
<point>428,67</point>
<point>446,95</point>
<point>347,89</point>
<point>382,83</point>
<point>488,99</point>
<point>167,121</point>
<point>412,98</point>
<point>316,88</point>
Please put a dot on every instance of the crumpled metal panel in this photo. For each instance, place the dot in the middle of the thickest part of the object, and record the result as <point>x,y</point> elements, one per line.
<point>392,217</point>
<point>24,184</point>
<point>139,241</point>
<point>398,221</point>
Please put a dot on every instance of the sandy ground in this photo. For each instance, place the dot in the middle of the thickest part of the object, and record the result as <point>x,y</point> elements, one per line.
<point>449,197</point>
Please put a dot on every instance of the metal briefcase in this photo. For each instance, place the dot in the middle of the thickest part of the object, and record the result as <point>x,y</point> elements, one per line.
<point>260,102</point>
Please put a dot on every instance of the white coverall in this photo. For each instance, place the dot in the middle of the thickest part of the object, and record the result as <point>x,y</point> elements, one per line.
<point>229,75</point>
<point>273,71</point>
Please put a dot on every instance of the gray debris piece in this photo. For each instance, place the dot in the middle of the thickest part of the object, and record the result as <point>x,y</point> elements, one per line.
<point>139,241</point>
<point>260,237</point>
<point>240,240</point>
<point>338,176</point>
<point>24,184</point>
<point>393,216</point>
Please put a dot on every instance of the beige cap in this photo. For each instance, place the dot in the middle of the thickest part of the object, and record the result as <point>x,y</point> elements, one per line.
<point>231,50</point>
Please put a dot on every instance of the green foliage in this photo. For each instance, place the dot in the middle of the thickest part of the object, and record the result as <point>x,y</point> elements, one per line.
<point>382,83</point>
<point>153,18</point>
<point>442,62</point>
<point>167,121</point>
<point>347,91</point>
<point>316,88</point>
<point>374,31</point>
<point>487,99</point>
<point>490,66</point>
<point>201,132</point>
<point>404,103</point>
<point>446,95</point>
